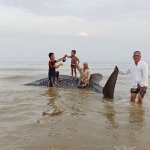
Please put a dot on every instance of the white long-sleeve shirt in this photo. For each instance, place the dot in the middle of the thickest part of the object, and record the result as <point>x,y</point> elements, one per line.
<point>139,74</point>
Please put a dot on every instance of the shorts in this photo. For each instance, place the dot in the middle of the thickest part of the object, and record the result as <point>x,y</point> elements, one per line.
<point>142,91</point>
<point>52,78</point>
<point>73,66</point>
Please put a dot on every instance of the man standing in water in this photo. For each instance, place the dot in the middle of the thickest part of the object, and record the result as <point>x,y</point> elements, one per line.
<point>139,76</point>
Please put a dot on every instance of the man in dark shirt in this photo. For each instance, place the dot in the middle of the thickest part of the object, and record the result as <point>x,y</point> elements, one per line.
<point>52,73</point>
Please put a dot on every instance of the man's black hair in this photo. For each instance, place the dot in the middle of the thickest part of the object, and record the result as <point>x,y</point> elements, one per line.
<point>137,52</point>
<point>74,51</point>
<point>50,55</point>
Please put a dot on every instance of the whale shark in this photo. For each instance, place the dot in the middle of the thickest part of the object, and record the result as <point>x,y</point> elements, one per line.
<point>94,83</point>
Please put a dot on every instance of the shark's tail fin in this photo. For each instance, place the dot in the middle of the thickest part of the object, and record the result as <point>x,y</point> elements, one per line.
<point>108,90</point>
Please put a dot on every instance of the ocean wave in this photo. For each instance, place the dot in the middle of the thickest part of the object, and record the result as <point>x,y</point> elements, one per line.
<point>23,69</point>
<point>20,77</point>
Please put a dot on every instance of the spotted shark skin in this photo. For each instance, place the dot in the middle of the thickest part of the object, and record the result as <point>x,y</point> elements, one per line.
<point>68,82</point>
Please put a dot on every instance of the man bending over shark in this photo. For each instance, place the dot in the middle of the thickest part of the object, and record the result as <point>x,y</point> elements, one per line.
<point>139,76</point>
<point>84,75</point>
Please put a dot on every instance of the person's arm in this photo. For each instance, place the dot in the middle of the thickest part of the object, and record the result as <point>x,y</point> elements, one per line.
<point>60,59</point>
<point>144,80</point>
<point>78,67</point>
<point>68,56</point>
<point>125,72</point>
<point>56,66</point>
<point>78,60</point>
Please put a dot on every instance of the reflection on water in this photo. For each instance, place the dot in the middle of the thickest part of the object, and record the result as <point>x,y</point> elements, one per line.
<point>136,115</point>
<point>132,127</point>
<point>53,94</point>
<point>136,121</point>
<point>110,114</point>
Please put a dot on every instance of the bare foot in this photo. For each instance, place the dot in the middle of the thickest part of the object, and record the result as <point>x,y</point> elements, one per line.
<point>59,80</point>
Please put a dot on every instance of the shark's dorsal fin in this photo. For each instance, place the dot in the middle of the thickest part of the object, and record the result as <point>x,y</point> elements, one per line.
<point>108,90</point>
<point>95,78</point>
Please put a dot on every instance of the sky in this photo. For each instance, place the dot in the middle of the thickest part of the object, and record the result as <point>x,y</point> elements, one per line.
<point>99,30</point>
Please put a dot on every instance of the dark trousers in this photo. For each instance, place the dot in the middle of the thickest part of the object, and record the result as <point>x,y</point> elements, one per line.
<point>52,78</point>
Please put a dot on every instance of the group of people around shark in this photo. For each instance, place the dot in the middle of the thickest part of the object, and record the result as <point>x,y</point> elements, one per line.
<point>84,71</point>
<point>138,71</point>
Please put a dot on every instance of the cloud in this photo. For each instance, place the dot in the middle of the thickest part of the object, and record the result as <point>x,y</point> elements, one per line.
<point>108,25</point>
<point>19,22</point>
<point>87,9</point>
<point>82,34</point>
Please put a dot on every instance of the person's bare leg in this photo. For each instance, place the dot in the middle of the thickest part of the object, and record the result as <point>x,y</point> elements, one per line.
<point>75,72</point>
<point>133,97</point>
<point>72,71</point>
<point>140,99</point>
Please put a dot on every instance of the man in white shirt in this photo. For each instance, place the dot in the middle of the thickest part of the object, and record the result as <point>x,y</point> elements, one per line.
<point>139,76</point>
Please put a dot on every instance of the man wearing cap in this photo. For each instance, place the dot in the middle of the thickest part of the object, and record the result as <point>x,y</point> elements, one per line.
<point>84,75</point>
<point>139,76</point>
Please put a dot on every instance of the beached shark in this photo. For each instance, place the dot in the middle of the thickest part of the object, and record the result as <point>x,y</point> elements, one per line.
<point>68,82</point>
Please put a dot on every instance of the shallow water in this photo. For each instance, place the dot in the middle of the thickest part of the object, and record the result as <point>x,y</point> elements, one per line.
<point>40,118</point>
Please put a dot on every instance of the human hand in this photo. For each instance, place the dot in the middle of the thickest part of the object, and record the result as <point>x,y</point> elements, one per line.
<point>66,55</point>
<point>116,68</point>
<point>140,87</point>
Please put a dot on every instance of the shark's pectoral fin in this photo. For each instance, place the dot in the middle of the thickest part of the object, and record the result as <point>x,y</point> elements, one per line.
<point>108,90</point>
